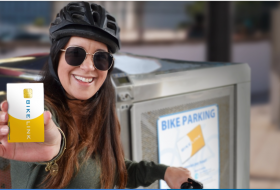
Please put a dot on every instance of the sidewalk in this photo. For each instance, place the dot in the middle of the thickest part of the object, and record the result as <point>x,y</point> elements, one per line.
<point>264,150</point>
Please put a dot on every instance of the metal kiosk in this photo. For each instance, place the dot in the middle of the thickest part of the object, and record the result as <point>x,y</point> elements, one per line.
<point>189,114</point>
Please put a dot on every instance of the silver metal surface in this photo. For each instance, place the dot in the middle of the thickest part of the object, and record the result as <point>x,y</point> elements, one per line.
<point>242,140</point>
<point>150,87</point>
<point>195,84</point>
<point>124,118</point>
<point>144,117</point>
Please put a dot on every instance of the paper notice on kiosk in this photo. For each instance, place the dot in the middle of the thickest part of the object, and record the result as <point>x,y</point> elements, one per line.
<point>190,139</point>
<point>26,112</point>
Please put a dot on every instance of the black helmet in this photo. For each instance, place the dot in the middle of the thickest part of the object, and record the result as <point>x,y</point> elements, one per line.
<point>86,20</point>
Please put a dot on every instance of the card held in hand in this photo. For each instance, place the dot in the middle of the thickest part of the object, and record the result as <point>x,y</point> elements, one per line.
<point>26,112</point>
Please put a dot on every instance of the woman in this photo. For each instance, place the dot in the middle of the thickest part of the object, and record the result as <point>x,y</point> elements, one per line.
<point>80,101</point>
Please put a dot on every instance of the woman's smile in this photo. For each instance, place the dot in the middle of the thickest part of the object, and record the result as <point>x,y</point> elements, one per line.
<point>83,79</point>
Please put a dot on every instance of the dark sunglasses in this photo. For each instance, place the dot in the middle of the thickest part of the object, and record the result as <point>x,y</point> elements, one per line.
<point>75,56</point>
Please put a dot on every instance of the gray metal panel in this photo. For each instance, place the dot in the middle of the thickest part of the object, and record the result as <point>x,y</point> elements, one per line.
<point>147,87</point>
<point>124,119</point>
<point>243,101</point>
<point>144,116</point>
<point>123,113</point>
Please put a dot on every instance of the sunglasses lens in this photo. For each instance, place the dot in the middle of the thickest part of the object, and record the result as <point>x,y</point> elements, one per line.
<point>75,56</point>
<point>102,60</point>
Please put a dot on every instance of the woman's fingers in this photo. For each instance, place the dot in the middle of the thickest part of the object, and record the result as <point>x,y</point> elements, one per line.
<point>50,127</point>
<point>176,176</point>
<point>52,134</point>
<point>3,118</point>
<point>4,106</point>
<point>30,152</point>
<point>47,117</point>
<point>4,130</point>
<point>3,113</point>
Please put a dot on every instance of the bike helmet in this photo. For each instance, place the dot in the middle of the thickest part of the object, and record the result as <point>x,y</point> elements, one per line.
<point>86,20</point>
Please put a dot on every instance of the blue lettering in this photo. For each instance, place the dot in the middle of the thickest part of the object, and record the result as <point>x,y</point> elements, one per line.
<point>212,113</point>
<point>27,101</point>
<point>172,123</point>
<point>168,124</point>
<point>194,117</point>
<point>163,125</point>
<point>207,114</point>
<point>177,122</point>
<point>190,119</point>
<point>27,110</point>
<point>185,147</point>
<point>184,119</point>
<point>199,117</point>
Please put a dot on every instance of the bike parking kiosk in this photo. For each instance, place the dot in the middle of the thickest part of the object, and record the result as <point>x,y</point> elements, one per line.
<point>188,114</point>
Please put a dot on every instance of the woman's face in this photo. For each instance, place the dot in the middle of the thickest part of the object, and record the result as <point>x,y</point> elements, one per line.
<point>68,74</point>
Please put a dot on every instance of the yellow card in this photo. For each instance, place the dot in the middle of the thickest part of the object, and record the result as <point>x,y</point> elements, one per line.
<point>197,139</point>
<point>26,112</point>
<point>191,143</point>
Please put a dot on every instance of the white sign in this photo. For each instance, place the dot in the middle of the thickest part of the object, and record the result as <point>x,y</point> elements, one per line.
<point>190,139</point>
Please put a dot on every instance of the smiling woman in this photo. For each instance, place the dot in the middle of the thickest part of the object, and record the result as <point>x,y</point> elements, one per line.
<point>83,81</point>
<point>80,103</point>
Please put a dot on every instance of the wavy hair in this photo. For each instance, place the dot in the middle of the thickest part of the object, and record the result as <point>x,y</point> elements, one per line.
<point>97,133</point>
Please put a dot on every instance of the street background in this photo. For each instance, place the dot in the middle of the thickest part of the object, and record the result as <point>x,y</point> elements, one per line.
<point>178,30</point>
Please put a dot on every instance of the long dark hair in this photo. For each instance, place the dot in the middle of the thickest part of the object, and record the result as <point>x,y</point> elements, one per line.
<point>98,132</point>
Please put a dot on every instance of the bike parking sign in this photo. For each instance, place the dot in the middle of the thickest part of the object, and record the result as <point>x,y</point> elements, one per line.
<point>190,139</point>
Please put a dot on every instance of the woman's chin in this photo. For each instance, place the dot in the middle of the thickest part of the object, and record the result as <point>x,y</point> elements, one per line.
<point>81,96</point>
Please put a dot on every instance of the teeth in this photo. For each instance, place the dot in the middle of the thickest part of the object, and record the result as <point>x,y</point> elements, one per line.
<point>83,79</point>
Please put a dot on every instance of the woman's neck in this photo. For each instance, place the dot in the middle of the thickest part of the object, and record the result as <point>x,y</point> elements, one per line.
<point>75,107</point>
<point>74,104</point>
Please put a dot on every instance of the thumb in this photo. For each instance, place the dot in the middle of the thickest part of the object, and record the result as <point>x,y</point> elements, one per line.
<point>47,117</point>
<point>4,106</point>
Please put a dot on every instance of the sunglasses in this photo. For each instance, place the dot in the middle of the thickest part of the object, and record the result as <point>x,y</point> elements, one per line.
<point>75,56</point>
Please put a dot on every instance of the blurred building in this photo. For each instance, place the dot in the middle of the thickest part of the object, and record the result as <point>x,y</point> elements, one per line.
<point>139,21</point>
<point>25,12</point>
<point>143,21</point>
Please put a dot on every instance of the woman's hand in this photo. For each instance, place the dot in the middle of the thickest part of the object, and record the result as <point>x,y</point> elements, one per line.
<point>176,176</point>
<point>33,151</point>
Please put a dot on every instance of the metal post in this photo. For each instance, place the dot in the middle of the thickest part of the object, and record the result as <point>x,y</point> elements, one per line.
<point>219,23</point>
<point>275,68</point>
<point>140,17</point>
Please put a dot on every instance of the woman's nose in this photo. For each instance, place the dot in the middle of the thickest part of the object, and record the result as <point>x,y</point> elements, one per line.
<point>87,63</point>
